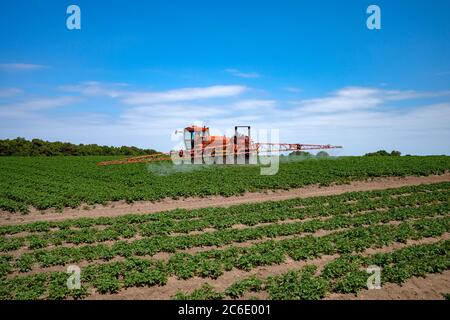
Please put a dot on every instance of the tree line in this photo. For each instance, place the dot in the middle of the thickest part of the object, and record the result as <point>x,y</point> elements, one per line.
<point>38,147</point>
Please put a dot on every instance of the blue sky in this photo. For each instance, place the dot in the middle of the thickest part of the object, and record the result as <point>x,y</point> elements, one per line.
<point>138,70</point>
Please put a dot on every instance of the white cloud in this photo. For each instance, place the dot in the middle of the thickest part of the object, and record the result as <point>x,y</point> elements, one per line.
<point>44,103</point>
<point>411,94</point>
<point>9,92</point>
<point>253,104</point>
<point>346,99</point>
<point>352,99</point>
<point>93,88</point>
<point>163,113</point>
<point>184,94</point>
<point>23,108</point>
<point>240,74</point>
<point>21,66</point>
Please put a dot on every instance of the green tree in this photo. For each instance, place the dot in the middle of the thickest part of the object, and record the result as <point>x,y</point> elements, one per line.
<point>377,153</point>
<point>300,154</point>
<point>321,154</point>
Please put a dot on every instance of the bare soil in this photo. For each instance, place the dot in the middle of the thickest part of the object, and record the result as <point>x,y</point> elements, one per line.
<point>118,208</point>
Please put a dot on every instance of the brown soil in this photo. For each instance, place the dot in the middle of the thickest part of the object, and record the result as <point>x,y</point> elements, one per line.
<point>142,207</point>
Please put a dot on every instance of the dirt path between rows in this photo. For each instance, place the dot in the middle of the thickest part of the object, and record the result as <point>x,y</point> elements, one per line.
<point>118,208</point>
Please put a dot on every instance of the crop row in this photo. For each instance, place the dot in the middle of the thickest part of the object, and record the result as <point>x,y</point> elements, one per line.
<point>346,274</point>
<point>153,245</point>
<point>349,202</point>
<point>112,276</point>
<point>119,231</point>
<point>298,205</point>
<point>59,182</point>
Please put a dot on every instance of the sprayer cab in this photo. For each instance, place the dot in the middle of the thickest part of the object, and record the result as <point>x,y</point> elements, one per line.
<point>194,136</point>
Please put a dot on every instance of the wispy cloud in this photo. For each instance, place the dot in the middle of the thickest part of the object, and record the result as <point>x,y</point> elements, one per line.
<point>345,99</point>
<point>9,92</point>
<point>240,74</point>
<point>152,97</point>
<point>185,94</point>
<point>412,94</point>
<point>21,108</point>
<point>360,98</point>
<point>21,66</point>
<point>248,105</point>
<point>94,88</point>
<point>45,103</point>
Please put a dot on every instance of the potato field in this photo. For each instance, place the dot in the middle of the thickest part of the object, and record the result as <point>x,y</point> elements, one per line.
<point>302,248</point>
<point>59,182</point>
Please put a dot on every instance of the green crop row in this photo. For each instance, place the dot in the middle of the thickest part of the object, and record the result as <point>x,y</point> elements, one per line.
<point>153,245</point>
<point>346,274</point>
<point>113,276</point>
<point>308,205</point>
<point>125,231</point>
<point>248,215</point>
<point>59,182</point>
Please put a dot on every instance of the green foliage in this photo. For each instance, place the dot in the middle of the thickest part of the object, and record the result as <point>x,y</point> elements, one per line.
<point>117,253</point>
<point>300,285</point>
<point>59,182</point>
<point>352,282</point>
<point>346,274</point>
<point>205,292</point>
<point>300,154</point>
<point>237,289</point>
<point>37,147</point>
<point>384,153</point>
<point>321,154</point>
